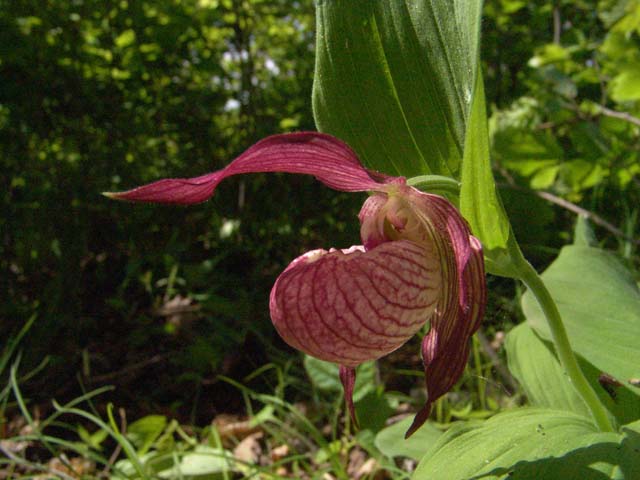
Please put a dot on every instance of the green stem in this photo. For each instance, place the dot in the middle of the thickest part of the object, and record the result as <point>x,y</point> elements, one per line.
<point>563,348</point>
<point>435,184</point>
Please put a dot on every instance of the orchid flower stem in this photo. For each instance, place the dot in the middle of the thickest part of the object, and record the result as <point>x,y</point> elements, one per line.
<point>435,184</point>
<point>563,348</point>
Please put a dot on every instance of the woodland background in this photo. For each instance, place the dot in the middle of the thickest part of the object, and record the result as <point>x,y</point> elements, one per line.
<point>160,302</point>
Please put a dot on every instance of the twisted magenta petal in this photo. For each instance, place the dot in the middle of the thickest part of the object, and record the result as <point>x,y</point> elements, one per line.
<point>330,160</point>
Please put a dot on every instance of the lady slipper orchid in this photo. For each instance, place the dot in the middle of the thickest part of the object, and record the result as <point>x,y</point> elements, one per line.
<point>418,263</point>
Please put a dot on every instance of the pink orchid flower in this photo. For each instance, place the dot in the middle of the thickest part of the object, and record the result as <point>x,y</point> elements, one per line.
<point>418,263</point>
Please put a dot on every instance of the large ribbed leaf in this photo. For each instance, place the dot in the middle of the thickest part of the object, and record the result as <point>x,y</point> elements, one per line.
<point>600,305</point>
<point>531,444</point>
<point>538,370</point>
<point>535,364</point>
<point>398,81</point>
<point>394,79</point>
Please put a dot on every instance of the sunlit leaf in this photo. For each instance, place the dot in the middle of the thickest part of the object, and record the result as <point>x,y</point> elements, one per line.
<point>531,444</point>
<point>125,39</point>
<point>201,463</point>
<point>626,85</point>
<point>600,305</point>
<point>145,431</point>
<point>394,80</point>
<point>537,369</point>
<point>479,201</point>
<point>392,443</point>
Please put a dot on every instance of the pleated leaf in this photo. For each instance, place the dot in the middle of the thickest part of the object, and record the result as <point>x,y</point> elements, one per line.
<point>537,369</point>
<point>394,79</point>
<point>600,305</point>
<point>531,444</point>
<point>534,363</point>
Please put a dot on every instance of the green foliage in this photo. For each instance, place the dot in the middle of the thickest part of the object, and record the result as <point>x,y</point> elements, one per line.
<point>479,201</point>
<point>600,304</point>
<point>531,444</point>
<point>577,126</point>
<point>201,463</point>
<point>324,377</point>
<point>101,95</point>
<point>535,364</point>
<point>392,443</point>
<point>395,79</point>
<point>145,431</point>
<point>536,367</point>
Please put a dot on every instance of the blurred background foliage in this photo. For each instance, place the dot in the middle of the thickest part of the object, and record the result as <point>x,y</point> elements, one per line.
<point>106,95</point>
<point>100,96</point>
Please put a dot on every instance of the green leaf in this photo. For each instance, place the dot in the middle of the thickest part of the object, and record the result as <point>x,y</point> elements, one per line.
<point>392,443</point>
<point>633,426</point>
<point>324,376</point>
<point>581,174</point>
<point>479,200</point>
<point>203,462</point>
<point>125,39</point>
<point>549,53</point>
<point>145,431</point>
<point>394,80</point>
<point>531,444</point>
<point>373,410</point>
<point>600,305</point>
<point>583,234</point>
<point>625,86</point>
<point>521,148</point>
<point>536,367</point>
<point>93,440</point>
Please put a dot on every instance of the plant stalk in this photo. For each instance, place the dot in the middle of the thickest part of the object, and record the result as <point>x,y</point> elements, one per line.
<point>435,184</point>
<point>563,348</point>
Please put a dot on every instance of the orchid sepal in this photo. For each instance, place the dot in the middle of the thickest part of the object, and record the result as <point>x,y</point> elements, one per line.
<point>330,160</point>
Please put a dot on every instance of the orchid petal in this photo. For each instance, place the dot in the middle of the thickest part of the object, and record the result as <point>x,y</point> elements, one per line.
<point>371,221</point>
<point>445,349</point>
<point>351,306</point>
<point>330,160</point>
<point>400,212</point>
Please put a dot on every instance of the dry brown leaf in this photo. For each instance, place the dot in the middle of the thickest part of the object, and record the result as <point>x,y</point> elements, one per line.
<point>232,427</point>
<point>279,452</point>
<point>361,465</point>
<point>179,310</point>
<point>357,457</point>
<point>14,447</point>
<point>75,468</point>
<point>249,449</point>
<point>282,471</point>
<point>367,468</point>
